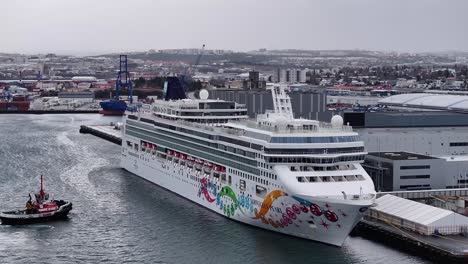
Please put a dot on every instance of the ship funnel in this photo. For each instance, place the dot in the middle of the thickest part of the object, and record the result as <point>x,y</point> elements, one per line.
<point>173,89</point>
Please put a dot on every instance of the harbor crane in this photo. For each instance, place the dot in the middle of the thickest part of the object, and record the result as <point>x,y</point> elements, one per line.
<point>197,61</point>
<point>188,71</point>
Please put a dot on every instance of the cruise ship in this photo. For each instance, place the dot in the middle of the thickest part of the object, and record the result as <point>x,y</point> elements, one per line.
<point>294,176</point>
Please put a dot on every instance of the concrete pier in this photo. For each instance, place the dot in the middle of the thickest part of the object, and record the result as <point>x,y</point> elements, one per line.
<point>441,249</point>
<point>108,133</point>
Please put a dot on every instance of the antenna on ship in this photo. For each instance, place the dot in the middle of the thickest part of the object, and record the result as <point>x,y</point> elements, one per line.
<point>42,186</point>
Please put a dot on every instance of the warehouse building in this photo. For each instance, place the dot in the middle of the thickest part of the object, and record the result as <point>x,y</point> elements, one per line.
<point>458,103</point>
<point>404,171</point>
<point>310,105</point>
<point>396,171</point>
<point>418,217</point>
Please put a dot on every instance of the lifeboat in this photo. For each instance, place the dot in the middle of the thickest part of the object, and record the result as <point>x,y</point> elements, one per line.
<point>170,152</point>
<point>198,164</point>
<point>38,211</point>
<point>190,161</point>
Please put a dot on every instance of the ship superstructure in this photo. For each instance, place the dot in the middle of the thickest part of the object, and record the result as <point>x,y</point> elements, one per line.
<point>295,176</point>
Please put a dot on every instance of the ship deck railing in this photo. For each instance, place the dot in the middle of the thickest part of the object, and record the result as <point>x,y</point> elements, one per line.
<point>320,127</point>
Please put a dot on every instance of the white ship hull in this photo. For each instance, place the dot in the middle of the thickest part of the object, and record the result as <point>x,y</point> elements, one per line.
<point>324,220</point>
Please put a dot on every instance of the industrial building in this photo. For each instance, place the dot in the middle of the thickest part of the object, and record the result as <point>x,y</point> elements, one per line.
<point>432,141</point>
<point>309,105</point>
<point>404,171</point>
<point>254,82</point>
<point>395,171</point>
<point>291,75</point>
<point>82,97</point>
<point>456,171</point>
<point>457,103</point>
<point>418,217</point>
<point>405,119</point>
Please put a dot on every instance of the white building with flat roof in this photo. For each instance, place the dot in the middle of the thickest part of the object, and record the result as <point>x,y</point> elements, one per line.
<point>404,171</point>
<point>433,141</point>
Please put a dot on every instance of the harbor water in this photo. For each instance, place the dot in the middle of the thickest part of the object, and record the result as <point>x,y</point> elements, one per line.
<point>120,218</point>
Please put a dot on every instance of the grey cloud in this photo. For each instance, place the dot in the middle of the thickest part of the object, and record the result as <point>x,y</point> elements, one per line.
<point>90,26</point>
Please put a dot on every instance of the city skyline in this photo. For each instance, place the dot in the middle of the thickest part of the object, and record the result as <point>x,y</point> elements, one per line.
<point>87,28</point>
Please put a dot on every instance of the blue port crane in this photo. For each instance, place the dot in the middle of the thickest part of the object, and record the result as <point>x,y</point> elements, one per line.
<point>115,106</point>
<point>123,79</point>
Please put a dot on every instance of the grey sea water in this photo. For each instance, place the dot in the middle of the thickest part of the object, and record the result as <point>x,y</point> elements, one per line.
<point>120,218</point>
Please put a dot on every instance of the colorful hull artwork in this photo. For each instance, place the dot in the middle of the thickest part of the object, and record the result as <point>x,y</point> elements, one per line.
<point>306,217</point>
<point>231,205</point>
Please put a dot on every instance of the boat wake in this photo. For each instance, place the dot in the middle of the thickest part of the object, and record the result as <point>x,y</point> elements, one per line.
<point>85,161</point>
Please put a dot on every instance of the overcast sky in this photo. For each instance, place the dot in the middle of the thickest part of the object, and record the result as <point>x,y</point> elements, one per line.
<point>99,26</point>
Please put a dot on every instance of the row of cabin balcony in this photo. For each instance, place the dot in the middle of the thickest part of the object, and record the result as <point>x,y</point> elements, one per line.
<point>307,160</point>
<point>342,167</point>
<point>340,178</point>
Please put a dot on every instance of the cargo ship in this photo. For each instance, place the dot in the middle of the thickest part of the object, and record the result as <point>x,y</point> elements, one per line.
<point>113,107</point>
<point>293,176</point>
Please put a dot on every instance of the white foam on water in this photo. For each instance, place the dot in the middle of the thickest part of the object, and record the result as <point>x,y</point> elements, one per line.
<point>77,175</point>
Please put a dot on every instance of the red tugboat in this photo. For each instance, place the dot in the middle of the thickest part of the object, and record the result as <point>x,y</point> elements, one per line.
<point>40,210</point>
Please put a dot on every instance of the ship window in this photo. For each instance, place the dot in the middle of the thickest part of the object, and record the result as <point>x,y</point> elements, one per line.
<point>261,191</point>
<point>242,185</point>
<point>229,180</point>
<point>360,177</point>
<point>350,178</point>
